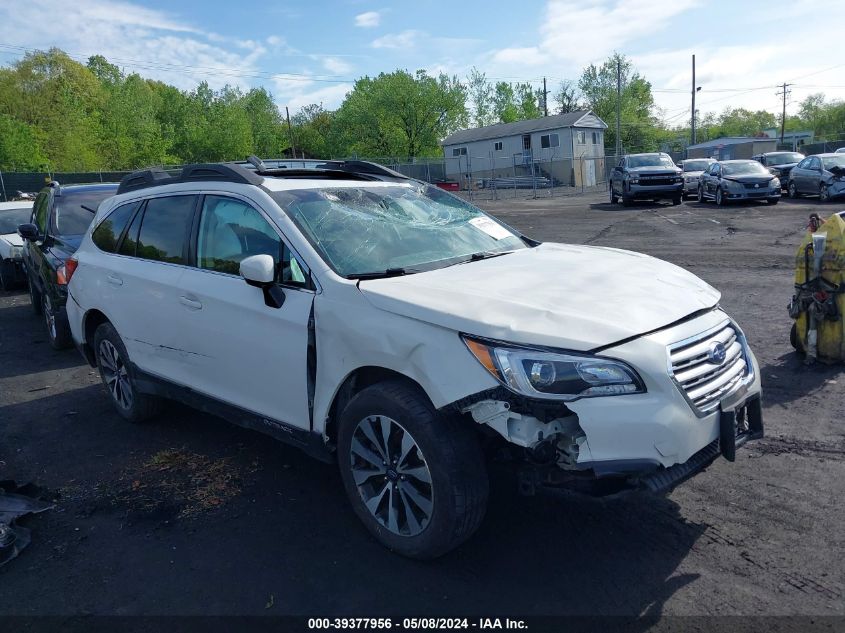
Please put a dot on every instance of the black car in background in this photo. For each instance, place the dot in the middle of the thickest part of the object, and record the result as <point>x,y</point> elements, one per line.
<point>60,217</point>
<point>780,163</point>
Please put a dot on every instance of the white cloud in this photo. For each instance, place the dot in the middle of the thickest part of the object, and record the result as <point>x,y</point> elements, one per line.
<point>405,39</point>
<point>368,20</point>
<point>336,65</point>
<point>297,93</point>
<point>153,43</point>
<point>579,32</point>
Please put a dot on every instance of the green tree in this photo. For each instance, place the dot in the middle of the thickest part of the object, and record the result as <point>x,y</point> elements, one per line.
<point>480,93</point>
<point>269,138</point>
<point>20,145</point>
<point>566,97</point>
<point>401,115</point>
<point>504,102</point>
<point>639,126</point>
<point>315,133</point>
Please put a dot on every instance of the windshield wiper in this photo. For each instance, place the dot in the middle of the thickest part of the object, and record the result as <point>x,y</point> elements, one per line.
<point>390,272</point>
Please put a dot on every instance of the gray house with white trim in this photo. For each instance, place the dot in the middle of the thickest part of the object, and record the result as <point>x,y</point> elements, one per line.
<point>551,146</point>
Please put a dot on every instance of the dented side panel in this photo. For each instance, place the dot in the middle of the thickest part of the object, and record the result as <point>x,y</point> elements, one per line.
<point>352,334</point>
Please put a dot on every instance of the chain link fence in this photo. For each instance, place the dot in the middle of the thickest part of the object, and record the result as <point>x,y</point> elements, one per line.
<point>478,177</point>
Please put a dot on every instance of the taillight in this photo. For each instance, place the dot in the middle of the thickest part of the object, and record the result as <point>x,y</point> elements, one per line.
<point>65,271</point>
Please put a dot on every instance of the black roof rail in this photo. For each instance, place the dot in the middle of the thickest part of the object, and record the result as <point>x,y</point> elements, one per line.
<point>362,167</point>
<point>295,167</point>
<point>203,172</point>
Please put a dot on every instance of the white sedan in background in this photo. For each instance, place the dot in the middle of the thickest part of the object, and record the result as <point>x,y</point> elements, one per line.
<point>11,244</point>
<point>693,168</point>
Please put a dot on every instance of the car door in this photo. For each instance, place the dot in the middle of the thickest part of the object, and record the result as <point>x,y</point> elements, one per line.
<point>814,175</point>
<point>713,179</point>
<point>139,291</point>
<point>242,351</point>
<point>33,254</point>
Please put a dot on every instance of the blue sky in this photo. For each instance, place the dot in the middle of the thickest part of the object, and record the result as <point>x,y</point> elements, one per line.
<point>311,52</point>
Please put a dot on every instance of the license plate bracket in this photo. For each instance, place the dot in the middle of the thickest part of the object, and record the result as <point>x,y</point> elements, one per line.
<point>738,424</point>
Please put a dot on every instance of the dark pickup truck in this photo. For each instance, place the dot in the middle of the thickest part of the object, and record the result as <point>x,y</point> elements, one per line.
<point>646,177</point>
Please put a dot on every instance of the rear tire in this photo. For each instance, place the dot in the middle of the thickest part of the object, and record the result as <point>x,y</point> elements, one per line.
<point>118,377</point>
<point>56,324</point>
<point>416,478</point>
<point>34,297</point>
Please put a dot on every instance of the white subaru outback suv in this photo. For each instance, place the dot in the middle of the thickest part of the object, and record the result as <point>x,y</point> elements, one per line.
<point>389,326</point>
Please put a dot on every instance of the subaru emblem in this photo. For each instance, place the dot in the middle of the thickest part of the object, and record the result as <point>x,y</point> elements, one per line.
<point>757,185</point>
<point>716,354</point>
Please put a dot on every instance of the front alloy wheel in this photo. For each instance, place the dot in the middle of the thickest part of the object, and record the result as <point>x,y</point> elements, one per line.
<point>793,190</point>
<point>415,476</point>
<point>720,197</point>
<point>700,193</point>
<point>392,475</point>
<point>824,194</point>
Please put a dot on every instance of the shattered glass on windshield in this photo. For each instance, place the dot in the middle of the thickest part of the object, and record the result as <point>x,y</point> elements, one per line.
<point>370,229</point>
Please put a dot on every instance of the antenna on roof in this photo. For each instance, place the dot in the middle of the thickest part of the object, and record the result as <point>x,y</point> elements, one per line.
<point>256,162</point>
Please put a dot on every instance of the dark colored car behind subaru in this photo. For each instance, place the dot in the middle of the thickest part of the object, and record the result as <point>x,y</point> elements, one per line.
<point>60,217</point>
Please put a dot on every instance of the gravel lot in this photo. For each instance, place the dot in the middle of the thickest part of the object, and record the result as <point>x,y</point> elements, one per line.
<point>190,515</point>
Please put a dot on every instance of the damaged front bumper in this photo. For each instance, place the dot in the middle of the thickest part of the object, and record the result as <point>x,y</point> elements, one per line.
<point>652,441</point>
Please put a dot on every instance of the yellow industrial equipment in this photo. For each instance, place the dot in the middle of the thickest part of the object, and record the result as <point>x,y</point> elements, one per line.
<point>818,305</point>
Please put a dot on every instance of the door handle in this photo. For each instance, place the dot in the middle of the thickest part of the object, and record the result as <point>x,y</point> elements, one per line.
<point>192,304</point>
<point>115,280</point>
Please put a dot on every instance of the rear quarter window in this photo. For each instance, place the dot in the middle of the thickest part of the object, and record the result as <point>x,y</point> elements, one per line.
<point>107,234</point>
<point>164,229</point>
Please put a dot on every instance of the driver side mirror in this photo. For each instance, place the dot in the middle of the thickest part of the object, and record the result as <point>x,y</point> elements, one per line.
<point>29,232</point>
<point>260,271</point>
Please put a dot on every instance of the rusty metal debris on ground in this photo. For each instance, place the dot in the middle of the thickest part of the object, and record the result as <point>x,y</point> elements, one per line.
<point>15,502</point>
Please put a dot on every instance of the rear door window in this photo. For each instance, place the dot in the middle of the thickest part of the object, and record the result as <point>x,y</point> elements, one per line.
<point>165,228</point>
<point>73,211</point>
<point>107,234</point>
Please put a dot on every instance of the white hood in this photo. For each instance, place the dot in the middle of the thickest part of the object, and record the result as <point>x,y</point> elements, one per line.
<point>12,238</point>
<point>557,295</point>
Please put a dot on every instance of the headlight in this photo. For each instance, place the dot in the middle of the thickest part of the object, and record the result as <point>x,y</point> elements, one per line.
<point>775,182</point>
<point>691,178</point>
<point>634,181</point>
<point>555,375</point>
<point>679,179</point>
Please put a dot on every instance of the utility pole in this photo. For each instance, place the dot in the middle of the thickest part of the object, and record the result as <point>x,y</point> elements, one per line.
<point>618,106</point>
<point>692,123</point>
<point>785,94</point>
<point>545,99</point>
<point>290,134</point>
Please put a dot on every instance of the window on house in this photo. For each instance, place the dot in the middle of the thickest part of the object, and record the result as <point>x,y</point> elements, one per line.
<point>595,138</point>
<point>549,140</point>
<point>582,137</point>
<point>459,151</point>
<point>497,146</point>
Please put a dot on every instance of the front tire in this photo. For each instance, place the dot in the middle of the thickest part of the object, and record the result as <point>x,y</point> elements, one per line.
<point>773,200</point>
<point>701,194</point>
<point>720,197</point>
<point>824,193</point>
<point>613,198</point>
<point>7,275</point>
<point>676,201</point>
<point>116,374</point>
<point>415,478</point>
<point>793,190</point>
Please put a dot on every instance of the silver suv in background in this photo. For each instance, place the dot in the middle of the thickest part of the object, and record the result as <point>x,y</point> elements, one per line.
<point>651,176</point>
<point>693,168</point>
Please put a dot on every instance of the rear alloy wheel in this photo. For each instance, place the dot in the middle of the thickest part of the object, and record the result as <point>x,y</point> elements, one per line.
<point>116,373</point>
<point>824,194</point>
<point>720,197</point>
<point>34,297</point>
<point>416,478</point>
<point>793,190</point>
<point>55,321</point>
